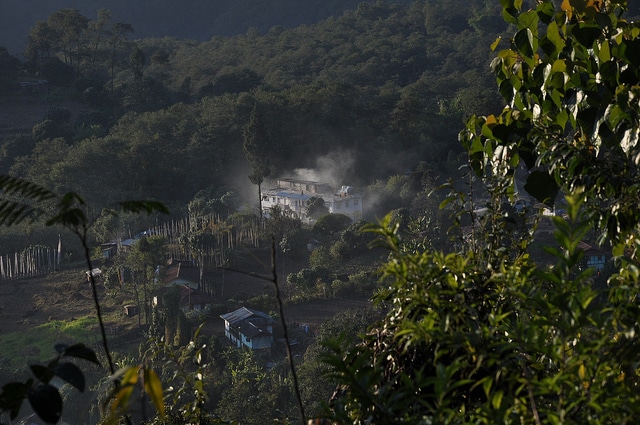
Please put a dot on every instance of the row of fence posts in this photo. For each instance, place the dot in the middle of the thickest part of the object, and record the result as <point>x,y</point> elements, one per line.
<point>39,260</point>
<point>34,261</point>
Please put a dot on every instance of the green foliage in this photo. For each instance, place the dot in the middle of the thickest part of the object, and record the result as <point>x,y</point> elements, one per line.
<point>320,260</point>
<point>315,386</point>
<point>567,79</point>
<point>316,207</point>
<point>254,393</point>
<point>21,200</point>
<point>44,397</point>
<point>381,107</point>
<point>330,224</point>
<point>340,251</point>
<point>42,337</point>
<point>463,343</point>
<point>484,334</point>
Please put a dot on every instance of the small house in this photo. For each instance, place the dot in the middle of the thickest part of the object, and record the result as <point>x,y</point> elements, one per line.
<point>182,273</point>
<point>593,257</point>
<point>190,298</point>
<point>248,327</point>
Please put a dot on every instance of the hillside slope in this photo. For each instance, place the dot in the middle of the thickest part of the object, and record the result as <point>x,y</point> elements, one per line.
<point>191,19</point>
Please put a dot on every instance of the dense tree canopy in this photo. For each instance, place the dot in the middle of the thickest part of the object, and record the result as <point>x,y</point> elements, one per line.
<point>486,334</point>
<point>482,329</point>
<point>376,90</point>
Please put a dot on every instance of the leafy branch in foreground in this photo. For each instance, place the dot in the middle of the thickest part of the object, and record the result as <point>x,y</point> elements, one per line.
<point>21,200</point>
<point>45,398</point>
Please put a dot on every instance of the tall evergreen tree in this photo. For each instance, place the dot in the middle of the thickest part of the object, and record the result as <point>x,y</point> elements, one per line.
<point>256,142</point>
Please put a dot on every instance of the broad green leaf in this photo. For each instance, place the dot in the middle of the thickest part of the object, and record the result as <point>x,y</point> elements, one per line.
<point>529,20</point>
<point>121,399</point>
<point>609,72</point>
<point>524,42</point>
<point>545,11</point>
<point>614,115</point>
<point>553,35</point>
<point>496,399</point>
<point>559,66</point>
<point>586,34</point>
<point>542,186</point>
<point>604,51</point>
<point>510,16</point>
<point>130,376</point>
<point>630,51</point>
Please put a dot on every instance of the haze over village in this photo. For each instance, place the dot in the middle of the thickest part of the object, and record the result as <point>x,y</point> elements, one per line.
<point>319,212</point>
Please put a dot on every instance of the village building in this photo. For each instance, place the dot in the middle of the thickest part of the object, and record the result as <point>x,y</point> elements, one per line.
<point>249,328</point>
<point>594,258</point>
<point>188,279</point>
<point>182,273</point>
<point>293,197</point>
<point>190,299</point>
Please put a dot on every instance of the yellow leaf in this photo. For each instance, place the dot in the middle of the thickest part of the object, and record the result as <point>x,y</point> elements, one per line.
<point>495,43</point>
<point>567,8</point>
<point>130,377</point>
<point>491,119</point>
<point>122,398</point>
<point>153,387</point>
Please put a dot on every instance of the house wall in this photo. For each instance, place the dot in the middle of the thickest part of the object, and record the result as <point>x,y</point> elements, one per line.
<point>238,339</point>
<point>287,202</point>
<point>349,205</point>
<point>296,202</point>
<point>309,187</point>
<point>184,282</point>
<point>257,343</point>
<point>596,261</point>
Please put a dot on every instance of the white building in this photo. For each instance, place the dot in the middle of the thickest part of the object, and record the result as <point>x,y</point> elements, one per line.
<point>293,197</point>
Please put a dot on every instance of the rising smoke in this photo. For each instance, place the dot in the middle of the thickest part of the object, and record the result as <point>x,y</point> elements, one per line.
<point>334,169</point>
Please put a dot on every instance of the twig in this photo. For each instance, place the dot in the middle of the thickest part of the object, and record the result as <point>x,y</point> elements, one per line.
<point>96,301</point>
<point>284,328</point>
<point>274,279</point>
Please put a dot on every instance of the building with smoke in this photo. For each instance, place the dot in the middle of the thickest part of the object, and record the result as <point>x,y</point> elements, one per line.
<point>294,198</point>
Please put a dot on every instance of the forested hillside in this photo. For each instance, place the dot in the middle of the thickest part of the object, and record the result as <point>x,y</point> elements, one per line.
<point>492,302</point>
<point>357,98</point>
<point>197,20</point>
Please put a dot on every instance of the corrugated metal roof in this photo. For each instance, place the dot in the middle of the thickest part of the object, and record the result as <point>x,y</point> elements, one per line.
<point>293,195</point>
<point>243,313</point>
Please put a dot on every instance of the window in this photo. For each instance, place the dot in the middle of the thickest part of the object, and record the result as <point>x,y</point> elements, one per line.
<point>355,202</point>
<point>273,199</point>
<point>346,204</point>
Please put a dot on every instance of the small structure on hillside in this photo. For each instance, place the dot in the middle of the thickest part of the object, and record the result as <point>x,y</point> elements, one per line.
<point>293,196</point>
<point>248,327</point>
<point>182,273</point>
<point>190,298</point>
<point>593,257</point>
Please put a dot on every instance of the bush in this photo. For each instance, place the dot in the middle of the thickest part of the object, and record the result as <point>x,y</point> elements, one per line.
<point>340,251</point>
